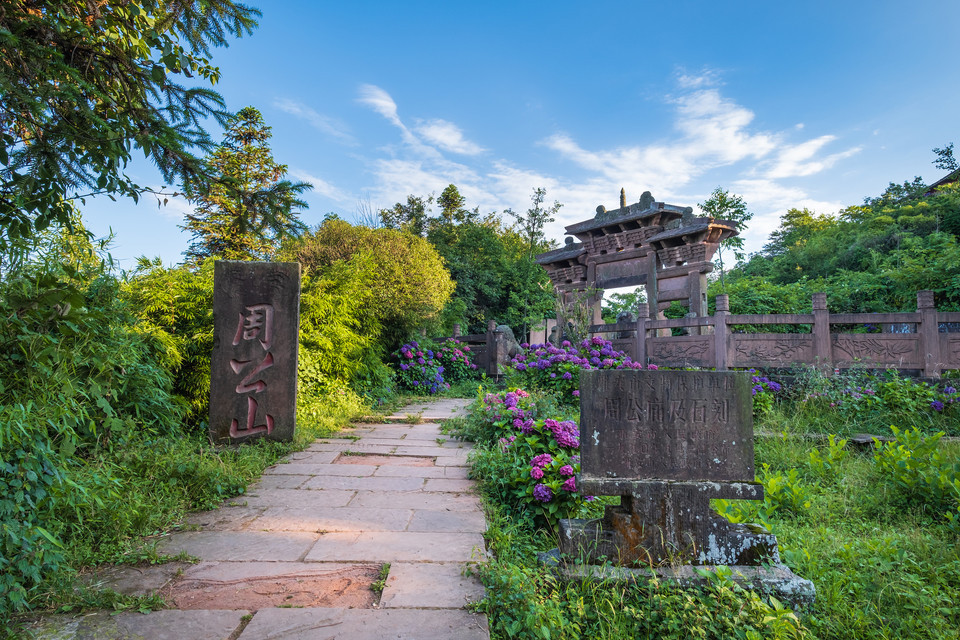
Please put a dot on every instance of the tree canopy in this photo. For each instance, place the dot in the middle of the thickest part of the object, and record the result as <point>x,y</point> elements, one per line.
<point>249,207</point>
<point>85,83</point>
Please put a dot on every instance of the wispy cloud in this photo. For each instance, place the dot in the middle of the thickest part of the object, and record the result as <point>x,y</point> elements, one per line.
<point>325,124</point>
<point>448,137</point>
<point>712,138</point>
<point>322,187</point>
<point>800,159</point>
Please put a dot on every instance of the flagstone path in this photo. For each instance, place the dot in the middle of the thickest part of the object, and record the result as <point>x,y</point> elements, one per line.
<point>296,557</point>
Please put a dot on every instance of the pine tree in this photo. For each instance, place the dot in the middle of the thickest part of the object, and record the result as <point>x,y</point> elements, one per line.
<point>249,206</point>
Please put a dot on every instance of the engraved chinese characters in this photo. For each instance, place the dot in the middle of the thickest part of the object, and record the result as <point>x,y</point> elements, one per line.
<point>671,425</point>
<point>253,370</point>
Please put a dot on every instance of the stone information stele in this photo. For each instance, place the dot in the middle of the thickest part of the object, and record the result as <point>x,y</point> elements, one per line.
<point>667,442</point>
<point>253,368</point>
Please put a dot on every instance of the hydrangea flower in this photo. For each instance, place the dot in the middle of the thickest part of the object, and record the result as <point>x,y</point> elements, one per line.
<point>566,470</point>
<point>536,473</point>
<point>569,485</point>
<point>541,460</point>
<point>543,493</point>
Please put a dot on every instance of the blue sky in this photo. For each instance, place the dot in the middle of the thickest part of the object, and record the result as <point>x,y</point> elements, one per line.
<point>800,104</point>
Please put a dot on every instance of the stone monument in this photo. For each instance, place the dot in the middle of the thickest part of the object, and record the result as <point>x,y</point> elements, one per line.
<point>667,442</point>
<point>253,368</point>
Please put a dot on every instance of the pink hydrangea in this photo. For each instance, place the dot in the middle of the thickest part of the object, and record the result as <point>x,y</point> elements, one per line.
<point>570,484</point>
<point>536,473</point>
<point>566,470</point>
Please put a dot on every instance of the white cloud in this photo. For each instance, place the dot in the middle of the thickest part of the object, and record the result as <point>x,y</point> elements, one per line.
<point>448,137</point>
<point>706,78</point>
<point>327,125</point>
<point>321,186</point>
<point>799,160</point>
<point>713,140</point>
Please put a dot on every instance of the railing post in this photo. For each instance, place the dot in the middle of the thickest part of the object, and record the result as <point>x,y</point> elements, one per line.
<point>456,330</point>
<point>493,349</point>
<point>822,345</point>
<point>640,347</point>
<point>929,334</point>
<point>720,331</point>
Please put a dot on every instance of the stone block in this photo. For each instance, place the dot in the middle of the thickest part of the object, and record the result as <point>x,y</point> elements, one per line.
<point>365,624</point>
<point>239,545</point>
<point>397,547</point>
<point>438,585</point>
<point>253,368</point>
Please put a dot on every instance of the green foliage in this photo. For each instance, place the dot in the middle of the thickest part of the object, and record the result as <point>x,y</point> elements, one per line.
<point>869,258</point>
<point>492,264</point>
<point>86,83</point>
<point>826,465</point>
<point>249,207</point>
<point>174,308</point>
<point>918,468</point>
<point>408,282</point>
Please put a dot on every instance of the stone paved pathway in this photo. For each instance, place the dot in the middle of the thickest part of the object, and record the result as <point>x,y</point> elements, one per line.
<point>329,518</point>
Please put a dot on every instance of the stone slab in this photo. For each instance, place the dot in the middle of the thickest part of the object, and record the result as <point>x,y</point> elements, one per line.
<point>253,367</point>
<point>226,518</point>
<point>668,425</point>
<point>134,581</point>
<point>452,461</point>
<point>365,624</point>
<point>436,585</point>
<point>453,521</point>
<point>302,499</point>
<point>332,519</point>
<point>239,545</point>
<point>355,446</point>
<point>169,624</point>
<point>269,483</point>
<point>314,457</point>
<point>415,500</point>
<point>449,485</point>
<point>397,547</point>
<point>389,471</point>
<point>408,450</point>
<point>228,571</point>
<point>365,484</point>
<point>456,472</point>
<point>356,470</point>
<point>291,469</point>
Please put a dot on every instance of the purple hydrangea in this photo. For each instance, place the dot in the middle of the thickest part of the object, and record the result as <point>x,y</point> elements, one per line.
<point>569,485</point>
<point>566,471</point>
<point>936,405</point>
<point>541,460</point>
<point>543,493</point>
<point>536,473</point>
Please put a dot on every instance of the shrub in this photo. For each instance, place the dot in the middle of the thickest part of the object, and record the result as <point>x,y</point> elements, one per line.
<point>557,369</point>
<point>418,371</point>
<point>918,469</point>
<point>456,359</point>
<point>531,467</point>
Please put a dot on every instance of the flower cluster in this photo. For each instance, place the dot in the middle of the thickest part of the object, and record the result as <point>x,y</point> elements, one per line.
<point>764,392</point>
<point>418,370</point>
<point>545,366</point>
<point>456,359</point>
<point>542,455</point>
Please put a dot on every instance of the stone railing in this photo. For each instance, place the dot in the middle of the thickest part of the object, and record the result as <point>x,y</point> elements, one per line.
<point>925,342</point>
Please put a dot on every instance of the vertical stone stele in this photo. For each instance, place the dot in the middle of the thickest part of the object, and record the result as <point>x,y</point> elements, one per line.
<point>667,442</point>
<point>253,368</point>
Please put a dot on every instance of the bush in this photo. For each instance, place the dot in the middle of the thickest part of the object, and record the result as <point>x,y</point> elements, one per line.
<point>918,469</point>
<point>418,371</point>
<point>531,467</point>
<point>456,359</point>
<point>557,369</point>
